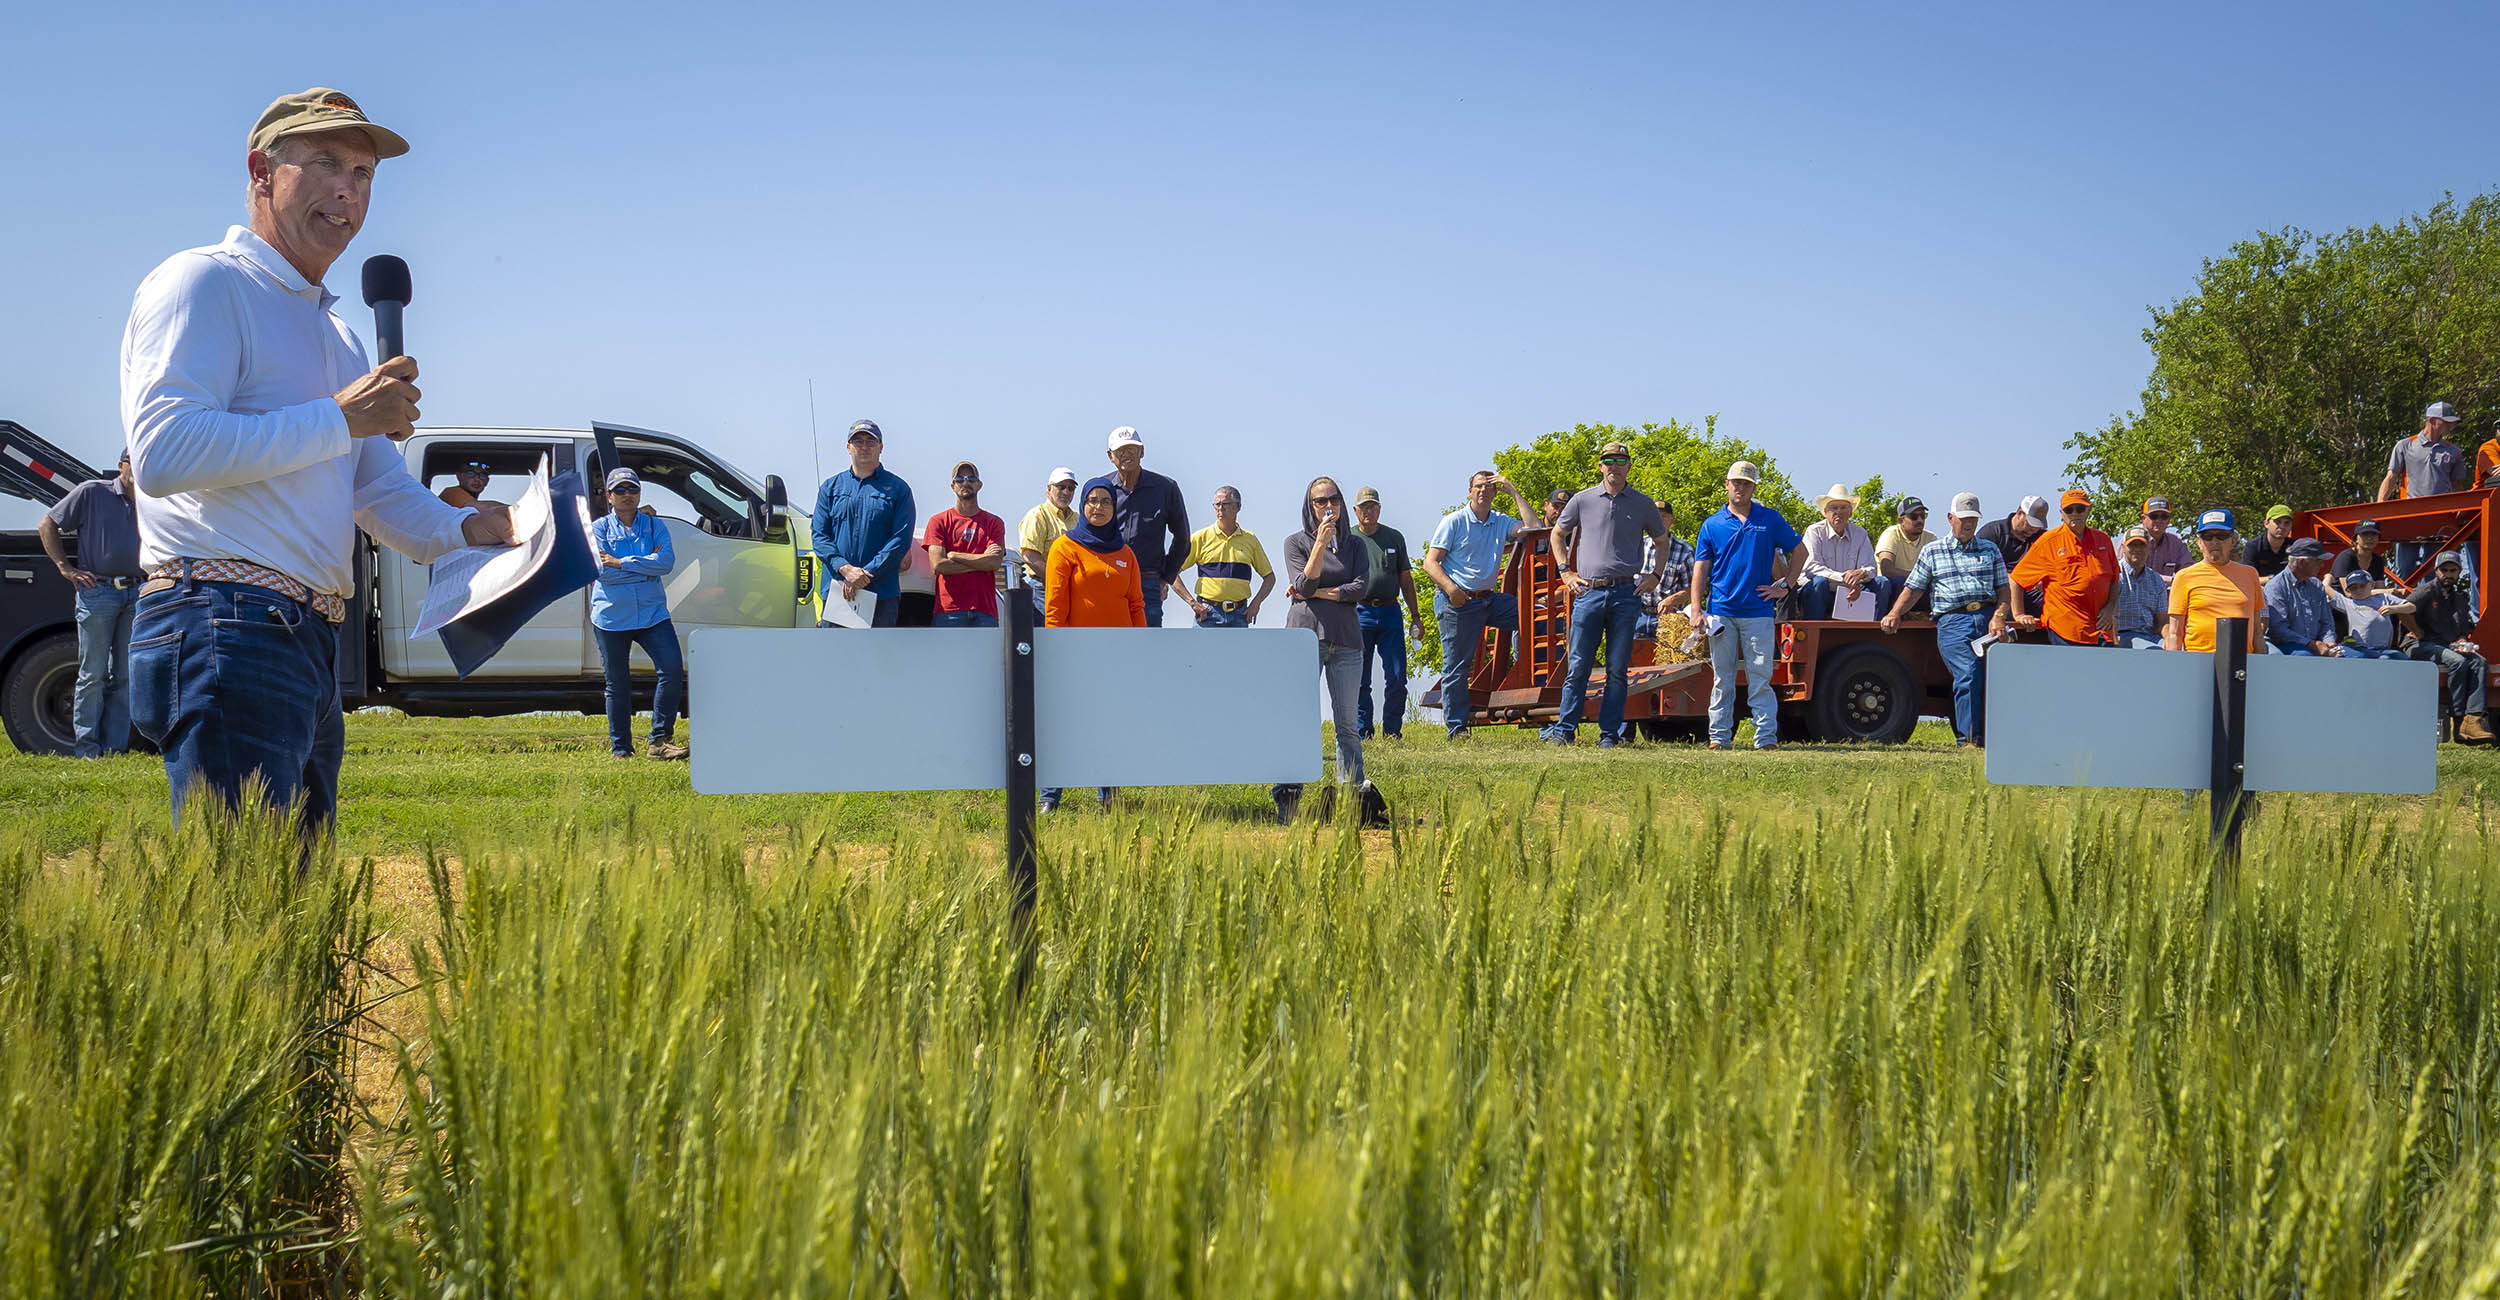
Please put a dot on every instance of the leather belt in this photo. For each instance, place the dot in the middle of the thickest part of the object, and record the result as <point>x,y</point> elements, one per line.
<point>1966,607</point>
<point>1390,603</point>
<point>1228,606</point>
<point>331,608</point>
<point>1606,582</point>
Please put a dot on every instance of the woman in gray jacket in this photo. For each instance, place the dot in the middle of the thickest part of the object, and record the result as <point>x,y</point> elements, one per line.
<point>1328,569</point>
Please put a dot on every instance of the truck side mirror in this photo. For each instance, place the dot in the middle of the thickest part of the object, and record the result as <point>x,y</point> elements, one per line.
<point>776,493</point>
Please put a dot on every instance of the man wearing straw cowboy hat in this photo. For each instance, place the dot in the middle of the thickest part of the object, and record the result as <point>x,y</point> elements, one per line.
<point>1840,563</point>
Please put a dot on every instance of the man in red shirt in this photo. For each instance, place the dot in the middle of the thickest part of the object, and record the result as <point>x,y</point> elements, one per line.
<point>2079,569</point>
<point>966,545</point>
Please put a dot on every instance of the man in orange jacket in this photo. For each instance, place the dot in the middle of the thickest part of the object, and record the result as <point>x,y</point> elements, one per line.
<point>2079,569</point>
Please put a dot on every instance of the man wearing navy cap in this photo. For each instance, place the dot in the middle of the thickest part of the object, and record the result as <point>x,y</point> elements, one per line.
<point>864,523</point>
<point>2300,618</point>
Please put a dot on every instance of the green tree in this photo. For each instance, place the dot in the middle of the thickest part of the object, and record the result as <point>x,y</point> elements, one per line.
<point>1672,462</point>
<point>2300,358</point>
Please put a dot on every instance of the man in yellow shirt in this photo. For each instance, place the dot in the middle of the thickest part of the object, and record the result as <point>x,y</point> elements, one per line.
<point>1225,554</point>
<point>1043,524</point>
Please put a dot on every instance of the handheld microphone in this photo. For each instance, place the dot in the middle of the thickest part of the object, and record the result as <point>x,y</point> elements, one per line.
<point>386,292</point>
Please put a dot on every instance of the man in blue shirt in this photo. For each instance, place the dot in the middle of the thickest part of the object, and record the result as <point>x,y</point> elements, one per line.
<point>1971,594</point>
<point>1151,517</point>
<point>1465,565</point>
<point>107,577</point>
<point>1734,603</point>
<point>2300,618</point>
<point>864,523</point>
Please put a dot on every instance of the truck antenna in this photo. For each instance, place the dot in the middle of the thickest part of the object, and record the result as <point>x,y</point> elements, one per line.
<point>812,439</point>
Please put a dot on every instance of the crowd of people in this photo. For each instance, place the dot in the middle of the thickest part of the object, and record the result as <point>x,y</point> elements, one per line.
<point>1104,554</point>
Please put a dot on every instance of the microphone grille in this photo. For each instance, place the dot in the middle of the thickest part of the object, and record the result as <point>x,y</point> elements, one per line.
<point>386,280</point>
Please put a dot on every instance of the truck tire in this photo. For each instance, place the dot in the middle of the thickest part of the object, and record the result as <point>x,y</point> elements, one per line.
<point>1863,695</point>
<point>39,693</point>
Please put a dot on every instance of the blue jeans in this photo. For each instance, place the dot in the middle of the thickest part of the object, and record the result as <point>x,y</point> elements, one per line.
<point>2462,686</point>
<point>1462,631</point>
<point>963,618</point>
<point>1152,586</point>
<point>1816,598</point>
<point>2352,651</point>
<point>1337,672</point>
<point>1747,643</point>
<point>616,664</point>
<point>1954,634</point>
<point>1215,617</point>
<point>1610,613</point>
<point>236,683</point>
<point>1384,634</point>
<point>100,714</point>
<point>2141,641</point>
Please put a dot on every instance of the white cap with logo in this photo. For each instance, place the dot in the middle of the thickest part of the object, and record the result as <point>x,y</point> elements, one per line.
<point>1124,436</point>
<point>1965,506</point>
<point>2038,509</point>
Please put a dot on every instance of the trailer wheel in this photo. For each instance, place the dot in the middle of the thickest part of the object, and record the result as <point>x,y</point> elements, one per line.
<point>1864,694</point>
<point>39,694</point>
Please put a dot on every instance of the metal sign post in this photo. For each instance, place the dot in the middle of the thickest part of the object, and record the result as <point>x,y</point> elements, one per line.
<point>1023,873</point>
<point>2228,802</point>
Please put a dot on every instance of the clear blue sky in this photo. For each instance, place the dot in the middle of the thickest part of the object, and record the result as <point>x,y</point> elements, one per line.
<point>1281,240</point>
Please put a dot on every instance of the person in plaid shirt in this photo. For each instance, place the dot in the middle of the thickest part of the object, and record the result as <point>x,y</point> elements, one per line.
<point>2142,595</point>
<point>1971,594</point>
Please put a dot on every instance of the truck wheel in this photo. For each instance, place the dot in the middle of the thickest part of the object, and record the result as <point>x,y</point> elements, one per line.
<point>39,693</point>
<point>1864,694</point>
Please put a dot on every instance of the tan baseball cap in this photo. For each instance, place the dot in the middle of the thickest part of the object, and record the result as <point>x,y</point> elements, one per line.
<point>321,109</point>
<point>1744,469</point>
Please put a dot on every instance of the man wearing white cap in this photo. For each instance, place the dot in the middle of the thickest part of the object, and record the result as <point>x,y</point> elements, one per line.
<point>1043,524</point>
<point>2014,534</point>
<point>260,441</point>
<point>2420,465</point>
<point>1971,594</point>
<point>1840,561</point>
<point>1735,601</point>
<point>1151,518</point>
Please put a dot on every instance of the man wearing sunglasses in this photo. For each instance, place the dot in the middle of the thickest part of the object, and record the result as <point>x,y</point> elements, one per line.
<point>2169,552</point>
<point>966,546</point>
<point>467,482</point>
<point>1896,552</point>
<point>2075,569</point>
<point>1599,547</point>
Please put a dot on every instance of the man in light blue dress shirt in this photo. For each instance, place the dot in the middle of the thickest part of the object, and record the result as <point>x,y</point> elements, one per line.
<point>1465,565</point>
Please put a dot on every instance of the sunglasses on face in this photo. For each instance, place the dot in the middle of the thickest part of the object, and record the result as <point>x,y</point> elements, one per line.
<point>1918,514</point>
<point>1614,460</point>
<point>2158,515</point>
<point>967,478</point>
<point>1327,501</point>
<point>629,489</point>
<point>2078,510</point>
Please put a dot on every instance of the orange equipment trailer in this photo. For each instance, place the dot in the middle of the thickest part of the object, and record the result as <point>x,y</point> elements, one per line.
<point>2450,521</point>
<point>1836,680</point>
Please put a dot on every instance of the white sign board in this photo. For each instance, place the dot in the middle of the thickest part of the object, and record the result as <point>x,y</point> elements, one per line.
<point>792,710</point>
<point>2064,715</point>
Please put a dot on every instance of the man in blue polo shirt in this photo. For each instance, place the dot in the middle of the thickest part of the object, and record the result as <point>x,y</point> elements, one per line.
<point>1734,601</point>
<point>1465,565</point>
<point>864,523</point>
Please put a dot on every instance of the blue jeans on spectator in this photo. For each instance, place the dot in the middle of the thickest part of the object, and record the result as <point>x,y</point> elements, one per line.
<point>1462,631</point>
<point>1954,635</point>
<point>1384,634</point>
<point>616,663</point>
<point>1599,612</point>
<point>1816,599</point>
<point>2352,651</point>
<point>1339,672</point>
<point>100,710</point>
<point>1217,616</point>
<point>2139,640</point>
<point>1152,586</point>
<point>237,683</point>
<point>963,618</point>
<point>2462,686</point>
<point>1747,644</point>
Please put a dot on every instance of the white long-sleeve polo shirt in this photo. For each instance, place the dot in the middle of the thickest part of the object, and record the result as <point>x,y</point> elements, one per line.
<point>237,446</point>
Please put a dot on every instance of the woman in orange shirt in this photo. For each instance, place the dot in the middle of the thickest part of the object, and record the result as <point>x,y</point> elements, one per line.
<point>2218,587</point>
<point>1091,582</point>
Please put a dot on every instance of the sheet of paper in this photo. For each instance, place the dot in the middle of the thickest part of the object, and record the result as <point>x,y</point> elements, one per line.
<point>860,612</point>
<point>1859,608</point>
<point>473,576</point>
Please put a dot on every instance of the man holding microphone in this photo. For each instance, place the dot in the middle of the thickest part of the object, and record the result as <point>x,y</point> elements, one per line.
<point>260,441</point>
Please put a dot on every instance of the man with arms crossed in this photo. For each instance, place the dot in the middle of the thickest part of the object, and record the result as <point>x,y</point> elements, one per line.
<point>259,443</point>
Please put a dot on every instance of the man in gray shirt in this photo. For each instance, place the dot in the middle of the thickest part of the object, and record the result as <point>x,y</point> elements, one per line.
<point>107,576</point>
<point>2421,465</point>
<point>1598,543</point>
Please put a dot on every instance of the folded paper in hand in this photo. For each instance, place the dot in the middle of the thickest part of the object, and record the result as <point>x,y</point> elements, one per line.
<point>480,595</point>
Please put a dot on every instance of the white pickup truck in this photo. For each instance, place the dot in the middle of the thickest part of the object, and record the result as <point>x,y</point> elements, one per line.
<point>744,559</point>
